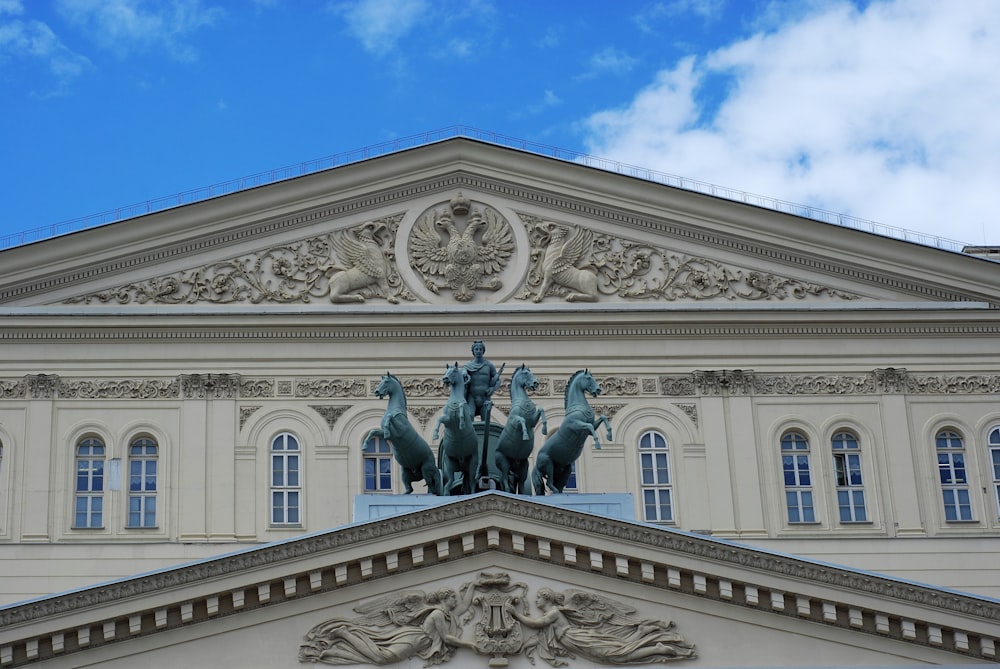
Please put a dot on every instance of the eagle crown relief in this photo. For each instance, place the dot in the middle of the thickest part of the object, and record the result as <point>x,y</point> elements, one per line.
<point>463,247</point>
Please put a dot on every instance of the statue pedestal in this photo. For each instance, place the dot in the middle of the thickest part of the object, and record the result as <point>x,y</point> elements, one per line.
<point>611,505</point>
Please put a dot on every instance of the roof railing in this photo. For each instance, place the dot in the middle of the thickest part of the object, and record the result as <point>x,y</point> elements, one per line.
<point>421,139</point>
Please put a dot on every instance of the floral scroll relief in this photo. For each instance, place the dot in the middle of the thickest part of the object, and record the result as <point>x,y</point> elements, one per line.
<point>351,265</point>
<point>577,264</point>
<point>495,611</point>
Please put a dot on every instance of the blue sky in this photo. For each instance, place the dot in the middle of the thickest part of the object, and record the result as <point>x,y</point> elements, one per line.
<point>888,111</point>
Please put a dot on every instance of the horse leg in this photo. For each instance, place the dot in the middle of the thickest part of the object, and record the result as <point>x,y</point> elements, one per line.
<point>437,428</point>
<point>541,472</point>
<point>409,477</point>
<point>503,466</point>
<point>520,476</point>
<point>560,477</point>
<point>607,423</point>
<point>432,477</point>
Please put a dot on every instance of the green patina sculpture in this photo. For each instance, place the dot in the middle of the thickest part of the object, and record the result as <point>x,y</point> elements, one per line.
<point>517,440</point>
<point>459,450</point>
<point>411,451</point>
<point>554,463</point>
<point>475,455</point>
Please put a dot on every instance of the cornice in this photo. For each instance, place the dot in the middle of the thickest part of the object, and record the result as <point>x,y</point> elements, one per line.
<point>851,608</point>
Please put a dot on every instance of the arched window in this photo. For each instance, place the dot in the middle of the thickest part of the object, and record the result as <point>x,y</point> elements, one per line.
<point>89,499</point>
<point>655,481</point>
<point>954,480</point>
<point>142,477</point>
<point>994,443</point>
<point>377,458</point>
<point>798,481</point>
<point>850,487</point>
<point>286,485</point>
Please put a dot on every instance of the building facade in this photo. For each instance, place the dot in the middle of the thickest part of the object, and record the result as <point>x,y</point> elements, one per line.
<point>200,380</point>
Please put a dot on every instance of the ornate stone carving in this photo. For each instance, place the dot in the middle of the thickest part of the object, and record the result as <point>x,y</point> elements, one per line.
<point>330,388</point>
<point>42,386</point>
<point>891,380</point>
<point>13,389</point>
<point>836,384</point>
<point>620,385</point>
<point>120,389</point>
<point>331,414</point>
<point>677,385</point>
<point>400,626</point>
<point>246,412</point>
<point>732,381</point>
<point>952,385</point>
<point>349,265</point>
<point>210,386</point>
<point>257,388</point>
<point>578,264</point>
<point>463,260</point>
<point>690,410</point>
<point>649,385</point>
<point>424,414</point>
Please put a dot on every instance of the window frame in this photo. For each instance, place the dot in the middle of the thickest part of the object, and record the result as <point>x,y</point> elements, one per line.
<point>382,458</point>
<point>90,496</point>
<point>799,490</point>
<point>147,460</point>
<point>280,495</point>
<point>845,446</point>
<point>653,458</point>
<point>993,453</point>
<point>956,459</point>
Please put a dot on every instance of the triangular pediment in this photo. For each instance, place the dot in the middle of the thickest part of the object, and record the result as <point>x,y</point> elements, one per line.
<point>378,593</point>
<point>465,223</point>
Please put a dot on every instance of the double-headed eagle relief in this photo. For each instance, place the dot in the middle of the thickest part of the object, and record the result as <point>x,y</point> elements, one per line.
<point>491,617</point>
<point>461,247</point>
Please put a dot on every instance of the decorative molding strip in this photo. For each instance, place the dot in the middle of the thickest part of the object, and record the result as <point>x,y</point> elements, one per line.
<point>888,380</point>
<point>727,331</point>
<point>616,564</point>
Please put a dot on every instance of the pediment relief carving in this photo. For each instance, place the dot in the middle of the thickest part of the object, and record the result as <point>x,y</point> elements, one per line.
<point>457,251</point>
<point>491,616</point>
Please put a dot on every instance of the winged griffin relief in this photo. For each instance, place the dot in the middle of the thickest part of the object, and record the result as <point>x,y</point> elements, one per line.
<point>432,627</point>
<point>578,264</point>
<point>463,260</point>
<point>350,265</point>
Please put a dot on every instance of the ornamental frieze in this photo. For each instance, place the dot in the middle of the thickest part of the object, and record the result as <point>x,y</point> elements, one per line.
<point>457,251</point>
<point>700,382</point>
<point>493,617</point>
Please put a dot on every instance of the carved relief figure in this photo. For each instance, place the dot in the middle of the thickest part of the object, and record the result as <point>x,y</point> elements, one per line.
<point>464,260</point>
<point>599,629</point>
<point>564,252</point>
<point>367,262</point>
<point>393,629</point>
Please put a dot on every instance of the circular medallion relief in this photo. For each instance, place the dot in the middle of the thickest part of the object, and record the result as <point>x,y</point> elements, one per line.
<point>463,248</point>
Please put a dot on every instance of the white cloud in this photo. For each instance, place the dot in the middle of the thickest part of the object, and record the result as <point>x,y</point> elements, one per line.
<point>611,61</point>
<point>34,40</point>
<point>886,113</point>
<point>125,26</point>
<point>651,14</point>
<point>379,24</point>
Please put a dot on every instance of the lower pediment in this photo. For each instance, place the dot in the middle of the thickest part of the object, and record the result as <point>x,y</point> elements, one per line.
<point>497,580</point>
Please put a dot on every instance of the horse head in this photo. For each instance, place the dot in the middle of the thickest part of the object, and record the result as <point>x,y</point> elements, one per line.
<point>385,385</point>
<point>524,377</point>
<point>455,376</point>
